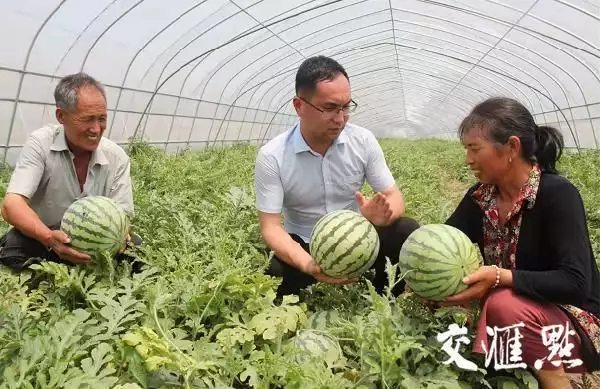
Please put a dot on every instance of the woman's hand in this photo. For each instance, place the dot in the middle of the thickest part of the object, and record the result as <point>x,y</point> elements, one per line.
<point>479,283</point>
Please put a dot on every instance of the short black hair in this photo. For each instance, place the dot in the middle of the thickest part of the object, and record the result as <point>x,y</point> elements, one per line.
<point>316,69</point>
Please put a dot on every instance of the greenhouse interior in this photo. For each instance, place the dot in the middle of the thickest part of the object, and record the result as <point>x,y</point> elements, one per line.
<point>184,206</point>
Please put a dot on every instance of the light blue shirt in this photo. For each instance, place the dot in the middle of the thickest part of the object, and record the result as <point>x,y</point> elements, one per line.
<point>302,185</point>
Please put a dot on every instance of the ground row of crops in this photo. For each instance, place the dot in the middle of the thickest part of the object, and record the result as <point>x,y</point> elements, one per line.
<point>203,315</point>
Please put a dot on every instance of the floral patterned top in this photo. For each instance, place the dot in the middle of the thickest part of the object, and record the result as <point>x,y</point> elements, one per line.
<point>500,241</point>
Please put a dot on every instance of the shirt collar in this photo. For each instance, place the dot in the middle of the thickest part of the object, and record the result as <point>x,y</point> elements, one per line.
<point>301,146</point>
<point>60,144</point>
<point>484,195</point>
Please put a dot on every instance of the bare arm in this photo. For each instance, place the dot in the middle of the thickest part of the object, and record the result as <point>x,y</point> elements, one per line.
<point>290,251</point>
<point>396,202</point>
<point>17,212</point>
<point>282,244</point>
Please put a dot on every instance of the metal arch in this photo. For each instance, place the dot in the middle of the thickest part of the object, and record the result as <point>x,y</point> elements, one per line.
<point>397,57</point>
<point>267,130</point>
<point>245,10</point>
<point>293,69</point>
<point>246,33</point>
<point>339,23</point>
<point>146,44</point>
<point>583,11</point>
<point>505,75</point>
<point>511,27</point>
<point>287,71</point>
<point>525,95</point>
<point>467,38</point>
<point>279,59</point>
<point>452,81</point>
<point>496,58</point>
<point>433,91</point>
<point>537,36</point>
<point>539,54</point>
<point>238,37</point>
<point>189,73</point>
<point>73,45</point>
<point>111,25</point>
<point>580,61</point>
<point>523,28</point>
<point>53,77</point>
<point>24,69</point>
<point>275,35</point>
<point>501,49</point>
<point>202,58</point>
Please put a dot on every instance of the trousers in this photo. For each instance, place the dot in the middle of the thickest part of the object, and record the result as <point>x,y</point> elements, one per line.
<point>18,251</point>
<point>391,239</point>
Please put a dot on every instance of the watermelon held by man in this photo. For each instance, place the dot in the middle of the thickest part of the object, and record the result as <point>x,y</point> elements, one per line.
<point>96,224</point>
<point>344,244</point>
<point>434,260</point>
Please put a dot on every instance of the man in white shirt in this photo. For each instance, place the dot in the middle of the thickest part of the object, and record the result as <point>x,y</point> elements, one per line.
<point>58,165</point>
<point>319,166</point>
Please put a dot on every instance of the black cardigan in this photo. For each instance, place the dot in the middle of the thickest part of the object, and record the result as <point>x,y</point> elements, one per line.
<point>554,260</point>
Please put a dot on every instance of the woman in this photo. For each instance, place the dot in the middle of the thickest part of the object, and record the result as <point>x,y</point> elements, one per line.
<point>530,225</point>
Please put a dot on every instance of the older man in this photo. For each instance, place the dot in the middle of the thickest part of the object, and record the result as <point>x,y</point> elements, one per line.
<point>319,166</point>
<point>58,165</point>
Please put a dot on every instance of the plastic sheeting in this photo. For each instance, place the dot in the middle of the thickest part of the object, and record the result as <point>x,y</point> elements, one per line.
<point>194,73</point>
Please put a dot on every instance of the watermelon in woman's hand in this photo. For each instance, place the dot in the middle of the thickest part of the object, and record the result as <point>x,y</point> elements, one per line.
<point>96,224</point>
<point>434,260</point>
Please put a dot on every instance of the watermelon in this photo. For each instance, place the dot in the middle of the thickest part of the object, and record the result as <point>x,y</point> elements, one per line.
<point>320,320</point>
<point>316,345</point>
<point>435,258</point>
<point>344,244</point>
<point>95,224</point>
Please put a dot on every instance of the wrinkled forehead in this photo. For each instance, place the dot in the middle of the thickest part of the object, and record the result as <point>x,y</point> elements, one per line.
<point>474,135</point>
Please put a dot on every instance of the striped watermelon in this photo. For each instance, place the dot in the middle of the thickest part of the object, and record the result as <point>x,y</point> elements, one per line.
<point>95,224</point>
<point>320,320</point>
<point>344,243</point>
<point>435,258</point>
<point>316,345</point>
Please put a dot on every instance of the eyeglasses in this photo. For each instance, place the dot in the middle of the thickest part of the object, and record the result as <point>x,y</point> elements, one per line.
<point>331,112</point>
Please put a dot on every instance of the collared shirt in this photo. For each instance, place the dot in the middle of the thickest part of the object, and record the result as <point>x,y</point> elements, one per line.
<point>45,174</point>
<point>294,180</point>
<point>500,241</point>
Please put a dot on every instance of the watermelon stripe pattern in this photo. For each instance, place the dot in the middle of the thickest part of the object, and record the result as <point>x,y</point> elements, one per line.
<point>344,244</point>
<point>316,345</point>
<point>434,260</point>
<point>95,224</point>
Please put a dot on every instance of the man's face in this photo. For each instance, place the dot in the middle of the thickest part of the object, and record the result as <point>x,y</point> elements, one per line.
<point>85,125</point>
<point>328,97</point>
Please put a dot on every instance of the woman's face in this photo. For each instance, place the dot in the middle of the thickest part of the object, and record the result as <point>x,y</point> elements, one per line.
<point>488,160</point>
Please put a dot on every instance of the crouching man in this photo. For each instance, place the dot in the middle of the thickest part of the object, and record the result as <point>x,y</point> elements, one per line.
<point>58,165</point>
<point>319,166</point>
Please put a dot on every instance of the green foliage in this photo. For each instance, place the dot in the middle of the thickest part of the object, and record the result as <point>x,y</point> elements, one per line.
<point>203,315</point>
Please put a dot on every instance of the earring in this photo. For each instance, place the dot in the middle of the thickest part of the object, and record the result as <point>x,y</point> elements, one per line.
<point>509,159</point>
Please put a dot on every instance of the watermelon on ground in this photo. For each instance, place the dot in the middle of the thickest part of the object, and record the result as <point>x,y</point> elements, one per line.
<point>96,224</point>
<point>435,258</point>
<point>344,244</point>
<point>316,345</point>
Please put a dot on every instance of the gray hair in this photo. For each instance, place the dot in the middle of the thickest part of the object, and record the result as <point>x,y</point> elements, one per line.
<point>65,93</point>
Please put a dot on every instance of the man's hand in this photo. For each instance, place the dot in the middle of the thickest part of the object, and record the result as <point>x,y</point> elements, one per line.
<point>124,246</point>
<point>377,209</point>
<point>312,268</point>
<point>59,244</point>
<point>479,283</point>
